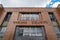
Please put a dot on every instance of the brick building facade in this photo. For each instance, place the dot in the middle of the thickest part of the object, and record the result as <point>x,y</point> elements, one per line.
<point>29,23</point>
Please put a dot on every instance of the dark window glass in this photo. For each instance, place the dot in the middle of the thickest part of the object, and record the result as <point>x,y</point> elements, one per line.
<point>8,16</point>
<point>6,19</point>
<point>51,16</point>
<point>2,31</point>
<point>29,33</point>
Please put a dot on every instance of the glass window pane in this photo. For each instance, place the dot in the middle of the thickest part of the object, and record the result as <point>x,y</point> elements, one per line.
<point>30,16</point>
<point>5,23</point>
<point>8,16</point>
<point>39,30</point>
<point>55,24</point>
<point>26,32</point>
<point>1,38</point>
<point>57,29</point>
<point>3,29</point>
<point>51,16</point>
<point>58,38</point>
<point>30,31</point>
<point>39,34</point>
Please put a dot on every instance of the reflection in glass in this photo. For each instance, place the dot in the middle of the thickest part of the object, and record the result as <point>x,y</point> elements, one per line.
<point>30,17</point>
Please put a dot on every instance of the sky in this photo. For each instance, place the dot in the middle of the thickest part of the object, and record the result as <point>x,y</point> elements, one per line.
<point>30,3</point>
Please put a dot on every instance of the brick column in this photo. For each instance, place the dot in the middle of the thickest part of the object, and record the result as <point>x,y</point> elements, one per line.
<point>10,30</point>
<point>50,33</point>
<point>40,16</point>
<point>19,16</point>
<point>1,9</point>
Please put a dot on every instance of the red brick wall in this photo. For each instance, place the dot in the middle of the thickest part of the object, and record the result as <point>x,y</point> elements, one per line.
<point>50,33</point>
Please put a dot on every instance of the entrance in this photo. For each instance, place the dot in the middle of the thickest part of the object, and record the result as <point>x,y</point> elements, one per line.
<point>29,33</point>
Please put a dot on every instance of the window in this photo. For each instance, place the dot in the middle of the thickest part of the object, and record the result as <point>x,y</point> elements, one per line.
<point>2,31</point>
<point>51,16</point>
<point>4,25</point>
<point>29,33</point>
<point>6,19</point>
<point>30,16</point>
<point>54,22</point>
<point>8,16</point>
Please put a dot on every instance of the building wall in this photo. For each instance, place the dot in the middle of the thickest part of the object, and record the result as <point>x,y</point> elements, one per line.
<point>44,21</point>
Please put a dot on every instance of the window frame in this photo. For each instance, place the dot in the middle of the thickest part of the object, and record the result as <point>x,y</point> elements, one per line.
<point>39,37</point>
<point>22,13</point>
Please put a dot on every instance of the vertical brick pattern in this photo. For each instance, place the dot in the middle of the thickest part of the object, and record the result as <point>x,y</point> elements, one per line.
<point>50,33</point>
<point>10,27</point>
